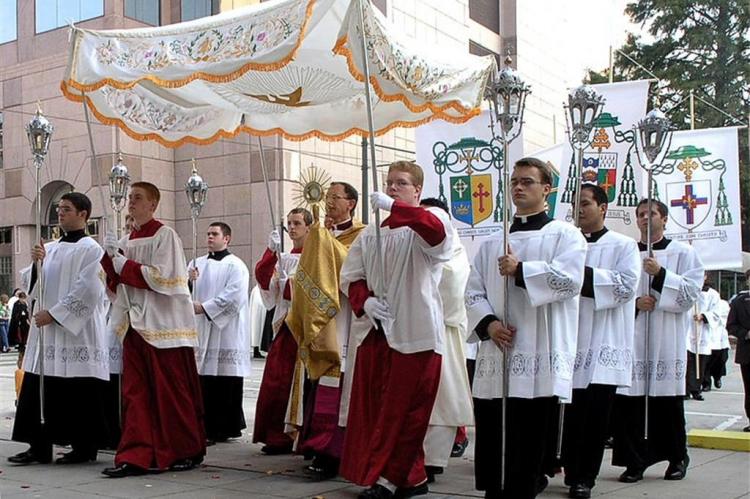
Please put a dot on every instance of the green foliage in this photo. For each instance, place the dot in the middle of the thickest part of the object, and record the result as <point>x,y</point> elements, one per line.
<point>698,45</point>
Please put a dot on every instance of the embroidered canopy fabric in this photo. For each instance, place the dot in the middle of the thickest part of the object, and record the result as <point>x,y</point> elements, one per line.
<point>287,67</point>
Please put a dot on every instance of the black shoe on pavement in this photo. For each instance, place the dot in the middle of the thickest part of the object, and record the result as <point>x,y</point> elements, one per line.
<point>746,429</point>
<point>541,484</point>
<point>29,457</point>
<point>185,464</point>
<point>631,475</point>
<point>124,470</point>
<point>76,457</point>
<point>717,383</point>
<point>697,396</point>
<point>323,468</point>
<point>432,471</point>
<point>677,471</point>
<point>579,491</point>
<point>417,490</point>
<point>257,354</point>
<point>377,491</point>
<point>459,448</point>
<point>706,387</point>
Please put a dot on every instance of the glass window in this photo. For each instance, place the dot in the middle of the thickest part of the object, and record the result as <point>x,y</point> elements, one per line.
<point>146,11</point>
<point>8,24</point>
<point>486,13</point>
<point>6,274</point>
<point>195,9</point>
<point>6,235</point>
<point>92,227</point>
<point>51,14</point>
<point>1,140</point>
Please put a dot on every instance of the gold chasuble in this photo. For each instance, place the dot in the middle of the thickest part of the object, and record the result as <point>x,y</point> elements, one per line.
<point>312,316</point>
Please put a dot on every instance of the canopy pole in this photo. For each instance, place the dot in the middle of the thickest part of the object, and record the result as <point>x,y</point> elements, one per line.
<point>268,196</point>
<point>371,130</point>
<point>95,167</point>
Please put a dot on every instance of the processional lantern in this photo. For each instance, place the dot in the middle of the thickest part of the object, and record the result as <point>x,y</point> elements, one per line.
<point>654,131</point>
<point>39,131</point>
<point>119,182</point>
<point>584,107</point>
<point>196,190</point>
<point>507,96</point>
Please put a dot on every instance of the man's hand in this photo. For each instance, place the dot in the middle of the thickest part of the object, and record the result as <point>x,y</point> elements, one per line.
<point>43,318</point>
<point>508,264</point>
<point>377,309</point>
<point>274,241</point>
<point>501,335</point>
<point>381,201</point>
<point>198,308</point>
<point>651,266</point>
<point>38,252</point>
<point>193,273</point>
<point>111,244</point>
<point>645,303</point>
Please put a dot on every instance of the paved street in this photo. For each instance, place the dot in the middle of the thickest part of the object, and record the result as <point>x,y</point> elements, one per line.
<point>238,469</point>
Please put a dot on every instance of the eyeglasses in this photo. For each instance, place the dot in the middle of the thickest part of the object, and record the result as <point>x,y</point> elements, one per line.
<point>398,184</point>
<point>524,182</point>
<point>335,197</point>
<point>64,209</point>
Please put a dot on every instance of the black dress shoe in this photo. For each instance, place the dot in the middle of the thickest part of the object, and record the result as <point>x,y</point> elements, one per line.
<point>697,396</point>
<point>322,468</point>
<point>417,490</point>
<point>186,464</point>
<point>631,475</point>
<point>717,383</point>
<point>579,491</point>
<point>377,491</point>
<point>124,470</point>
<point>706,388</point>
<point>432,471</point>
<point>459,448</point>
<point>746,429</point>
<point>677,471</point>
<point>29,457</point>
<point>76,457</point>
<point>271,450</point>
<point>541,484</point>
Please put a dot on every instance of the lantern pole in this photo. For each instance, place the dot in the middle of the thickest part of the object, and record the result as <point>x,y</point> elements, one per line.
<point>506,94</point>
<point>196,190</point>
<point>654,132</point>
<point>39,132</point>
<point>582,110</point>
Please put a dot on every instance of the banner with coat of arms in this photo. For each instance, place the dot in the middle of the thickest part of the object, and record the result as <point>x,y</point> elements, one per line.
<point>610,160</point>
<point>698,180</point>
<point>463,167</point>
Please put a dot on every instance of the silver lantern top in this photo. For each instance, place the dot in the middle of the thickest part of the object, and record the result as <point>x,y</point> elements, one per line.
<point>507,95</point>
<point>39,131</point>
<point>584,107</point>
<point>196,190</point>
<point>654,130</point>
<point>119,182</point>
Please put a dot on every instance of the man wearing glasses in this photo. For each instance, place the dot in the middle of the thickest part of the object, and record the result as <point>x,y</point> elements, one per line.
<point>398,358</point>
<point>545,267</point>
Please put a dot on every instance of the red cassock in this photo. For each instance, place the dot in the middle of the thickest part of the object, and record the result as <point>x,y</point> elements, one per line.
<point>392,393</point>
<point>278,375</point>
<point>162,403</point>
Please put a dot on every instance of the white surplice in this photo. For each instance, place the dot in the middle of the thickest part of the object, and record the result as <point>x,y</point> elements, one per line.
<point>257,317</point>
<point>412,274</point>
<point>163,314</point>
<point>606,322</point>
<point>274,295</point>
<point>719,335</point>
<point>699,334</point>
<point>669,322</point>
<point>76,344</point>
<point>223,334</point>
<point>545,313</point>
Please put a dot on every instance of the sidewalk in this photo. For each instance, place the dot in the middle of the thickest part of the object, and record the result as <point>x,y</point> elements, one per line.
<point>238,469</point>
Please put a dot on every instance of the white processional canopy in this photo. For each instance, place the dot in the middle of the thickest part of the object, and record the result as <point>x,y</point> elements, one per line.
<point>286,67</point>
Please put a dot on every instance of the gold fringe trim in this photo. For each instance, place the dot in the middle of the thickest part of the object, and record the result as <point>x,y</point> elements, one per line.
<point>170,334</point>
<point>200,75</point>
<point>228,134</point>
<point>341,49</point>
<point>170,282</point>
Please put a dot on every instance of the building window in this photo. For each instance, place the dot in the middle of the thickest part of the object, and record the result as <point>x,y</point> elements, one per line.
<point>486,13</point>
<point>92,227</point>
<point>145,11</point>
<point>52,14</point>
<point>1,140</point>
<point>226,5</point>
<point>6,235</point>
<point>476,49</point>
<point>6,274</point>
<point>195,9</point>
<point>8,21</point>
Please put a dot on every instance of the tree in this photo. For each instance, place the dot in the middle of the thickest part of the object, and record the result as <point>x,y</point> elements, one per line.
<point>698,45</point>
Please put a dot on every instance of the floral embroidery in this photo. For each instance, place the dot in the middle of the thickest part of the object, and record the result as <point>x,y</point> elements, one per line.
<point>139,110</point>
<point>661,370</point>
<point>231,43</point>
<point>227,356</point>
<point>170,282</point>
<point>622,292</point>
<point>474,298</point>
<point>77,354</point>
<point>560,284</point>
<point>684,300</point>
<point>523,365</point>
<point>608,357</point>
<point>75,306</point>
<point>227,307</point>
<point>172,334</point>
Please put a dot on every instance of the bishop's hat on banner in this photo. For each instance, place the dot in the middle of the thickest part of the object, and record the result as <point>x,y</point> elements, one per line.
<point>610,159</point>
<point>698,180</point>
